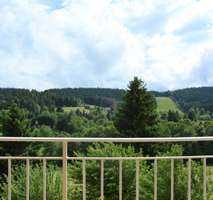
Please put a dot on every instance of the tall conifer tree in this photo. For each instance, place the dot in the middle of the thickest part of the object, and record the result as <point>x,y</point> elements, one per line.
<point>137,113</point>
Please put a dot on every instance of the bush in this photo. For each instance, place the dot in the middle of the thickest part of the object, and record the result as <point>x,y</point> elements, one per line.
<point>36,184</point>
<point>111,177</point>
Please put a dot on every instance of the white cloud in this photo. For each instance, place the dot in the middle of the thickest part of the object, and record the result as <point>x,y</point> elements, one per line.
<point>105,43</point>
<point>197,12</point>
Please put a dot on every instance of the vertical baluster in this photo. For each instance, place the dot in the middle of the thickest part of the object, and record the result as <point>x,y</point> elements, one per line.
<point>189,178</point>
<point>64,170</point>
<point>84,178</point>
<point>102,179</point>
<point>27,179</point>
<point>155,180</point>
<point>172,179</point>
<point>120,179</point>
<point>44,179</point>
<point>204,180</point>
<point>137,178</point>
<point>9,179</point>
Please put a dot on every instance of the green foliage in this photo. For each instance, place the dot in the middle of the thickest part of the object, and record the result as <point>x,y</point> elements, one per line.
<point>187,128</point>
<point>54,181</point>
<point>108,130</point>
<point>35,101</point>
<point>111,177</point>
<point>62,122</point>
<point>46,118</point>
<point>180,176</point>
<point>94,96</point>
<point>193,114</point>
<point>194,97</point>
<point>41,149</point>
<point>15,122</point>
<point>41,114</point>
<point>137,113</point>
<point>173,116</point>
<point>110,171</point>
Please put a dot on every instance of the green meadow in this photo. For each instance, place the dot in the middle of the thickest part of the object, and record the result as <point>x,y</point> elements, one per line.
<point>164,104</point>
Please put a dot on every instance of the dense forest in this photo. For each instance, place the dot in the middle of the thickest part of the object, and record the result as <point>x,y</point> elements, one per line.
<point>97,112</point>
<point>194,97</point>
<point>31,99</point>
<point>198,98</point>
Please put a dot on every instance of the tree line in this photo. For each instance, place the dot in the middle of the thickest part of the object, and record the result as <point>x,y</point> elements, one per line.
<point>135,115</point>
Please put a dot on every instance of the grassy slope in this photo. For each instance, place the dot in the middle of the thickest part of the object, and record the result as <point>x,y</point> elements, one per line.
<point>165,104</point>
<point>80,108</point>
<point>85,108</point>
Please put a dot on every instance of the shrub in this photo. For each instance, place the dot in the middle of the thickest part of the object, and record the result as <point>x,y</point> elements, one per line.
<point>111,177</point>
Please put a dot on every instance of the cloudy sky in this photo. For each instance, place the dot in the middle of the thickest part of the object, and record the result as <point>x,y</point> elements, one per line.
<point>105,43</point>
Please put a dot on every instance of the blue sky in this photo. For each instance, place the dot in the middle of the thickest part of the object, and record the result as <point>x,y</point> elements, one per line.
<point>105,43</point>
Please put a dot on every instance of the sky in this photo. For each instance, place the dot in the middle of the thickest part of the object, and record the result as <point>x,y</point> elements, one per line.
<point>105,43</point>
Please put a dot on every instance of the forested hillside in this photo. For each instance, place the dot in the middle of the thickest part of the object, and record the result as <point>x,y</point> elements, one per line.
<point>194,97</point>
<point>33,100</point>
<point>186,99</point>
<point>96,112</point>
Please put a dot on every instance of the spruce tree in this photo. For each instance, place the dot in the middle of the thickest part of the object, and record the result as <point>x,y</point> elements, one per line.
<point>137,113</point>
<point>15,124</point>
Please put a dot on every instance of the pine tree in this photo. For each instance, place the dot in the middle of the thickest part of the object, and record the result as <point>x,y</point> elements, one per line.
<point>137,113</point>
<point>15,122</point>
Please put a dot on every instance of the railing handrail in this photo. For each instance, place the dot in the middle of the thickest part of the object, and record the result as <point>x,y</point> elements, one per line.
<point>116,140</point>
<point>64,158</point>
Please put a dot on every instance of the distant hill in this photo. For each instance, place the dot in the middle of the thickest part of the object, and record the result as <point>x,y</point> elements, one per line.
<point>88,92</point>
<point>66,97</point>
<point>185,98</point>
<point>93,96</point>
<point>193,97</point>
